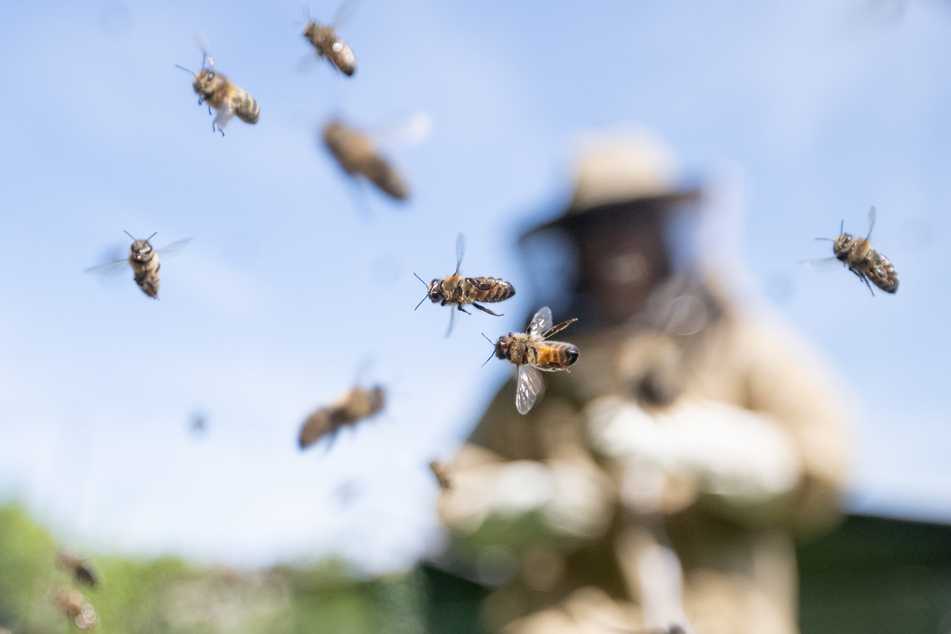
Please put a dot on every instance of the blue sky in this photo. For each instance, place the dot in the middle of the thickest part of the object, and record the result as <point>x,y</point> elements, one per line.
<point>799,115</point>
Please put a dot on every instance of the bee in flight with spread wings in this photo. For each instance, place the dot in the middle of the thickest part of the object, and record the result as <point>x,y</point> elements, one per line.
<point>325,41</point>
<point>531,352</point>
<point>144,261</point>
<point>858,255</point>
<point>221,94</point>
<point>358,404</point>
<point>458,290</point>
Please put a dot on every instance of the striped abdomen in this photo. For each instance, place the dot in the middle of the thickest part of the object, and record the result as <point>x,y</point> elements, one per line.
<point>245,106</point>
<point>146,268</point>
<point>881,272</point>
<point>555,355</point>
<point>487,289</point>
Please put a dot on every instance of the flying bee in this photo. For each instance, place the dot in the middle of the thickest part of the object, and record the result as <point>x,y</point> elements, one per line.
<point>359,403</point>
<point>860,258</point>
<point>74,605</point>
<point>328,45</point>
<point>357,154</point>
<point>144,261</point>
<point>78,568</point>
<point>219,93</point>
<point>459,291</point>
<point>531,352</point>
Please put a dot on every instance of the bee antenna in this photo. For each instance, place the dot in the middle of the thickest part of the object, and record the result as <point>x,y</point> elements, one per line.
<point>427,293</point>
<point>185,69</point>
<point>829,239</point>
<point>306,13</point>
<point>493,352</point>
<point>128,234</point>
<point>151,236</point>
<point>842,227</point>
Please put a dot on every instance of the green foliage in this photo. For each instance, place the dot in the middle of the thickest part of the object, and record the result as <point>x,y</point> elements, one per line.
<point>168,595</point>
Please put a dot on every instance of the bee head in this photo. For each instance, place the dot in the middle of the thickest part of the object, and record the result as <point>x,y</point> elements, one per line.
<point>140,248</point>
<point>502,346</point>
<point>435,291</point>
<point>309,29</point>
<point>842,246</point>
<point>206,82</point>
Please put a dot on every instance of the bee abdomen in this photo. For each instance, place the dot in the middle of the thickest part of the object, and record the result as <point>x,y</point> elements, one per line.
<point>245,106</point>
<point>571,355</point>
<point>343,58</point>
<point>493,289</point>
<point>882,272</point>
<point>385,176</point>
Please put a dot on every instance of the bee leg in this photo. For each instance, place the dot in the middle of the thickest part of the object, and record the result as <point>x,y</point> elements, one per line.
<point>459,306</point>
<point>214,129</point>
<point>864,278</point>
<point>486,310</point>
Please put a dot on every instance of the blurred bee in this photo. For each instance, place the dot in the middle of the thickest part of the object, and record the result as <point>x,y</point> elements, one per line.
<point>77,567</point>
<point>530,352</point>
<point>356,153</point>
<point>222,95</point>
<point>328,45</point>
<point>73,604</point>
<point>867,263</point>
<point>359,403</point>
<point>441,471</point>
<point>460,291</point>
<point>144,261</point>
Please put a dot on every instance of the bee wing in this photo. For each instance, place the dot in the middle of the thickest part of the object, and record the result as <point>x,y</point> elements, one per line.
<point>201,38</point>
<point>541,322</point>
<point>109,268</point>
<point>173,249</point>
<point>344,13</point>
<point>460,251</point>
<point>452,319</point>
<point>871,221</point>
<point>821,264</point>
<point>530,385</point>
<point>407,130</point>
<point>225,112</point>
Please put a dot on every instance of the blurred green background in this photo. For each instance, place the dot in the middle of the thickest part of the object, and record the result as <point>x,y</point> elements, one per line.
<point>871,575</point>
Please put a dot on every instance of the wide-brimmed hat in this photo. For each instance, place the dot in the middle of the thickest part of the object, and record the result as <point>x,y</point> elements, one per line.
<point>620,166</point>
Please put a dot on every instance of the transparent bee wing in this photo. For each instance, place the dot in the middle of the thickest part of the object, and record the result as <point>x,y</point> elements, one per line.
<point>530,385</point>
<point>174,248</point>
<point>201,38</point>
<point>452,319</point>
<point>871,221</point>
<point>821,264</point>
<point>541,322</point>
<point>408,130</point>
<point>460,251</point>
<point>224,115</point>
<point>109,268</point>
<point>344,13</point>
